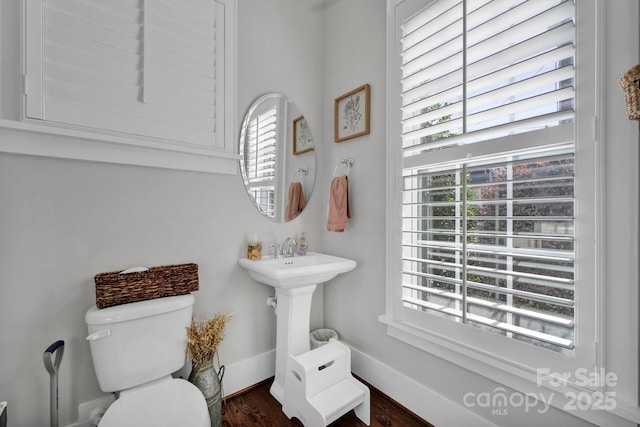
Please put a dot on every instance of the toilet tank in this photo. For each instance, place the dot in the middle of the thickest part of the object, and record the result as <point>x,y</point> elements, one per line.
<point>132,344</point>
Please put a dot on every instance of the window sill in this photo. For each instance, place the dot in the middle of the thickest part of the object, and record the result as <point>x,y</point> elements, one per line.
<point>509,374</point>
<point>60,142</point>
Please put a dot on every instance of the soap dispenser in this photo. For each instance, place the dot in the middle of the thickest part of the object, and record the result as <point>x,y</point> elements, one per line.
<point>302,244</point>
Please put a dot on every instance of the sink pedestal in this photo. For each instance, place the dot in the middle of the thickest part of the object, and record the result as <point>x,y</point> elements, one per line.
<point>294,279</point>
<point>292,330</point>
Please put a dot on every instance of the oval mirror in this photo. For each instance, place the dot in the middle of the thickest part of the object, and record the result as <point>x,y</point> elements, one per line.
<point>277,158</point>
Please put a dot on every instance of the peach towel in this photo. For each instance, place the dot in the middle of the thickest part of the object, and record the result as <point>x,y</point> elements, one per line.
<point>339,209</point>
<point>296,201</point>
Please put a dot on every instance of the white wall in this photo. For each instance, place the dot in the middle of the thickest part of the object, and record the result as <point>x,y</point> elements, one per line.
<point>63,221</point>
<point>354,55</point>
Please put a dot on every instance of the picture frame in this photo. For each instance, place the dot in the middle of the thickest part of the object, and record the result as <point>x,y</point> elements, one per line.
<point>352,114</point>
<point>302,139</point>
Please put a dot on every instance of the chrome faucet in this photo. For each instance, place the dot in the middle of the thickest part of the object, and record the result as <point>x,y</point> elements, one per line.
<point>287,247</point>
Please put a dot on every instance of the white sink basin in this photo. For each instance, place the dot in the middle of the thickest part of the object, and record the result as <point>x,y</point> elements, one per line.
<point>297,271</point>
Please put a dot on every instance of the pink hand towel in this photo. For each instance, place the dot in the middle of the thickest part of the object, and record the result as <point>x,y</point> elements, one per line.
<point>296,201</point>
<point>339,209</point>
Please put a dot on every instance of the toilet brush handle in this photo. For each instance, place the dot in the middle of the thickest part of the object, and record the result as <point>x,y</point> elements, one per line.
<point>52,367</point>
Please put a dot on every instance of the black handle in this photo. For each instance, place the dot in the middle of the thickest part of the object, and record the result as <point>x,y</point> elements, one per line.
<point>221,373</point>
<point>53,347</point>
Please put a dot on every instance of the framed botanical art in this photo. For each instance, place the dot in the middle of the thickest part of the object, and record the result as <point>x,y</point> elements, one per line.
<point>351,114</point>
<point>302,140</point>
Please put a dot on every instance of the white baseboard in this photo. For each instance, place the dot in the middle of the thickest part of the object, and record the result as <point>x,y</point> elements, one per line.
<point>419,399</point>
<point>85,409</point>
<point>248,372</point>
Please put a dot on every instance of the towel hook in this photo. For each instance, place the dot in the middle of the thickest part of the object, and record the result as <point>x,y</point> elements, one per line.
<point>302,171</point>
<point>348,161</point>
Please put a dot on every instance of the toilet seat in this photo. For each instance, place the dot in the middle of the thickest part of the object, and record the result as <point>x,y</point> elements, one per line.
<point>167,402</point>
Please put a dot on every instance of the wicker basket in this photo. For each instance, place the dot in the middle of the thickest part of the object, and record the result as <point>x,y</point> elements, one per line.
<point>629,84</point>
<point>115,288</point>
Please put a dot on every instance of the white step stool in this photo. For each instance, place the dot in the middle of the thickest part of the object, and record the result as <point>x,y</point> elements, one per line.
<point>319,387</point>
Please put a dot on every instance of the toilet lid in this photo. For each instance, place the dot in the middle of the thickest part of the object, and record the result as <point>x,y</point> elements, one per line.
<point>165,403</point>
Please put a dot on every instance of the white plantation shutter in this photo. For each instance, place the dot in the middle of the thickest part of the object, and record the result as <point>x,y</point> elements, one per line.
<point>260,151</point>
<point>492,244</point>
<point>488,239</point>
<point>479,69</point>
<point>152,68</point>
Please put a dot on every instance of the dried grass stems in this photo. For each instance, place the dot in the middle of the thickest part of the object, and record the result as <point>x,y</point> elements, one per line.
<point>204,337</point>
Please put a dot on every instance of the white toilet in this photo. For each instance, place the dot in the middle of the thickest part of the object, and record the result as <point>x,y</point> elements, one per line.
<point>135,347</point>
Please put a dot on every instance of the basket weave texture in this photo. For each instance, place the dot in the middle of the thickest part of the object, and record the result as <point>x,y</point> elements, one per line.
<point>114,288</point>
<point>629,84</point>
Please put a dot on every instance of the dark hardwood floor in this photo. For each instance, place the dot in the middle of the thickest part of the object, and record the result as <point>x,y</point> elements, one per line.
<point>256,407</point>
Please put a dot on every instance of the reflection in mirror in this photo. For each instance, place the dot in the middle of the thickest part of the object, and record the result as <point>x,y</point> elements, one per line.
<point>277,158</point>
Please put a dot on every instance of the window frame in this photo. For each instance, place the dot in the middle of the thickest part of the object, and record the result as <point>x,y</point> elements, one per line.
<point>466,346</point>
<point>81,143</point>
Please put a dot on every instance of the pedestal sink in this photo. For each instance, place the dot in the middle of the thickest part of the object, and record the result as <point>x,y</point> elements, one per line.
<point>294,279</point>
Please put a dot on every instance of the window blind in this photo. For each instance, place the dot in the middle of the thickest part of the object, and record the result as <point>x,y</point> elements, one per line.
<point>260,159</point>
<point>142,67</point>
<point>475,70</point>
<point>489,241</point>
<point>493,245</point>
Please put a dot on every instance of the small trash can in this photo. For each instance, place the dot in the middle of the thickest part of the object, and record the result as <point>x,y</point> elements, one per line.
<point>320,337</point>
